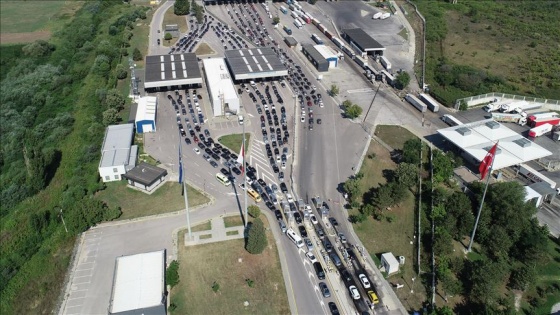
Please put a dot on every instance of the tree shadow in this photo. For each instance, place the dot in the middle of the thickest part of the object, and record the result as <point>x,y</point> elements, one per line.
<point>389,175</point>
<point>50,169</point>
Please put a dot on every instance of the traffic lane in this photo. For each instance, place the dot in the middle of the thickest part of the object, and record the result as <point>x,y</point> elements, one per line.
<point>155,25</point>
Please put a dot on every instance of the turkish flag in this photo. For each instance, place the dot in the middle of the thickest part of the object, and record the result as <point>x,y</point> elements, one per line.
<point>241,158</point>
<point>486,163</point>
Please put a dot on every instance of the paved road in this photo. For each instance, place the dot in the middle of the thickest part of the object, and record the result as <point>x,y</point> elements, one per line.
<point>157,25</point>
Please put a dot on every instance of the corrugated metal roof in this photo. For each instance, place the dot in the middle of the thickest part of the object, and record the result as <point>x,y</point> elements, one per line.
<point>182,68</point>
<point>219,80</point>
<point>116,145</point>
<point>362,39</point>
<point>147,107</point>
<point>254,61</point>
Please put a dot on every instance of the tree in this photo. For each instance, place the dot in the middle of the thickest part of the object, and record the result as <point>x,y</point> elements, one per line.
<point>114,99</point>
<point>398,192</point>
<point>198,12</point>
<point>254,211</point>
<point>459,208</point>
<point>352,187</point>
<point>402,80</point>
<point>167,36</point>
<point>38,48</point>
<point>443,166</point>
<point>121,72</point>
<point>275,20</point>
<point>353,111</point>
<point>334,90</point>
<point>172,274</point>
<point>346,104</point>
<point>383,197</point>
<point>101,66</point>
<point>256,240</point>
<point>137,55</point>
<point>443,242</point>
<point>411,151</point>
<point>110,117</point>
<point>181,7</point>
<point>521,277</point>
<point>407,174</point>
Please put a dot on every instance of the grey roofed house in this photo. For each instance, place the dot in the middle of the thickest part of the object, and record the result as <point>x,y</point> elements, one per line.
<point>145,176</point>
<point>254,63</point>
<point>362,39</point>
<point>118,155</point>
<point>166,71</point>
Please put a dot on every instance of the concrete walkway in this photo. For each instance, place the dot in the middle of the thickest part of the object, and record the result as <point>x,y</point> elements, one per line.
<point>217,233</point>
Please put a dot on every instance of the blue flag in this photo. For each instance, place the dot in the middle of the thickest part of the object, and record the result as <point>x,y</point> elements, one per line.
<point>180,162</point>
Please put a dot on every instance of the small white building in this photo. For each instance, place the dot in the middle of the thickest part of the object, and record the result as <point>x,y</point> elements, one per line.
<point>389,263</point>
<point>220,87</point>
<point>118,155</point>
<point>139,285</point>
<point>146,114</point>
<point>328,53</point>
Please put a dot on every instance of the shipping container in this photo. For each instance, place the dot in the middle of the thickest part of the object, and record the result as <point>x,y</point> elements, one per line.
<point>316,39</point>
<point>416,103</point>
<point>385,62</point>
<point>328,34</point>
<point>433,105</point>
<point>337,42</point>
<point>322,28</point>
<point>316,22</point>
<point>541,121</point>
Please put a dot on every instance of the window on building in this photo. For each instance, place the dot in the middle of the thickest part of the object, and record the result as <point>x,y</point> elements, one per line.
<point>107,178</point>
<point>115,170</point>
<point>116,176</point>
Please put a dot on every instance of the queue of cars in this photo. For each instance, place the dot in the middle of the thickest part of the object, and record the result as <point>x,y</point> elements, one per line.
<point>195,34</point>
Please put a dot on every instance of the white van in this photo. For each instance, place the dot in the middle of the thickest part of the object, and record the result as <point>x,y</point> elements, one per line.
<point>252,83</point>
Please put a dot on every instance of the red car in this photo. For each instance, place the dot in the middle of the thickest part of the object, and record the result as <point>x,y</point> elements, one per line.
<point>309,103</point>
<point>195,139</point>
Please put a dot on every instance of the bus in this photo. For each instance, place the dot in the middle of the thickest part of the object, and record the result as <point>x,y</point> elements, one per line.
<point>254,195</point>
<point>450,120</point>
<point>223,179</point>
<point>294,238</point>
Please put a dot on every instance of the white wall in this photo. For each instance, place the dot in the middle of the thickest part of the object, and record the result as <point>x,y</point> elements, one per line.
<point>111,174</point>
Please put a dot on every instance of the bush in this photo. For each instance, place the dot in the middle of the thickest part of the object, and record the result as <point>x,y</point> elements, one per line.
<point>250,282</point>
<point>215,287</point>
<point>256,240</point>
<point>137,55</point>
<point>254,211</point>
<point>121,72</point>
<point>403,79</point>
<point>167,36</point>
<point>353,111</point>
<point>172,274</point>
<point>38,48</point>
<point>334,90</point>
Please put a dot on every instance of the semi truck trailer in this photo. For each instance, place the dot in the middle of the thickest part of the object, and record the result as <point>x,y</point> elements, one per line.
<point>416,103</point>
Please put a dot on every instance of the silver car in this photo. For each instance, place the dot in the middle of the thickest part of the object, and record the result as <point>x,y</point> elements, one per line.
<point>308,243</point>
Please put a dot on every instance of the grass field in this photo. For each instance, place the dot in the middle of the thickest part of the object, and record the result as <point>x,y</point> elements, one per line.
<point>233,141</point>
<point>135,204</point>
<point>170,18</point>
<point>140,38</point>
<point>204,49</point>
<point>394,136</point>
<point>206,226</point>
<point>233,221</point>
<point>27,21</point>
<point>219,262</point>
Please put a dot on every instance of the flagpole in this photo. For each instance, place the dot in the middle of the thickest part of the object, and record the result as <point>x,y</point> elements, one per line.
<point>481,204</point>
<point>244,168</point>
<point>182,182</point>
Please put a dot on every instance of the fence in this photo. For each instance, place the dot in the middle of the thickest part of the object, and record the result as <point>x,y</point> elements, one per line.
<point>483,99</point>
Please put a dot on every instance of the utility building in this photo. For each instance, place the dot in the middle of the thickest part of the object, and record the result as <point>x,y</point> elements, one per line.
<point>172,72</point>
<point>329,54</point>
<point>255,63</point>
<point>390,263</point>
<point>145,176</point>
<point>118,155</point>
<point>318,61</point>
<point>139,285</point>
<point>146,114</point>
<point>220,87</point>
<point>362,43</point>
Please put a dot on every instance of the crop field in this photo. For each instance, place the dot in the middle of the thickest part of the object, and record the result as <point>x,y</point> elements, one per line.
<point>27,21</point>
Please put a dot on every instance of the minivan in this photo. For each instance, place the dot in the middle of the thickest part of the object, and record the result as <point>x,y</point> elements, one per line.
<point>319,270</point>
<point>283,226</point>
<point>336,260</point>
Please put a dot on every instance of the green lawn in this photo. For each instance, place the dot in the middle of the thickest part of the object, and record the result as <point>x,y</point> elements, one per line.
<point>134,204</point>
<point>233,221</point>
<point>206,226</point>
<point>394,136</point>
<point>140,38</point>
<point>170,18</point>
<point>27,16</point>
<point>233,141</point>
<point>219,262</point>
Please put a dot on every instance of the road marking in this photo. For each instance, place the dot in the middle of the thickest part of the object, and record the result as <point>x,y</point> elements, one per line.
<point>366,90</point>
<point>249,114</point>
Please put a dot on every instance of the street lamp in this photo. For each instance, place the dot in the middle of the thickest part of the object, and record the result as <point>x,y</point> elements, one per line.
<point>62,217</point>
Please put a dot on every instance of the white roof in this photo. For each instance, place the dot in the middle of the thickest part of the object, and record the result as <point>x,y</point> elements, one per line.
<point>218,78</point>
<point>146,108</point>
<point>116,145</point>
<point>530,193</point>
<point>390,259</point>
<point>326,51</point>
<point>478,137</point>
<point>138,282</point>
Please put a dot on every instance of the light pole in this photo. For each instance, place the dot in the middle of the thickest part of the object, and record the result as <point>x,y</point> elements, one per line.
<point>62,217</point>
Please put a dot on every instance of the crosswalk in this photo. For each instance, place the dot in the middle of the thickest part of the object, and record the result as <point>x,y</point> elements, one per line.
<point>259,161</point>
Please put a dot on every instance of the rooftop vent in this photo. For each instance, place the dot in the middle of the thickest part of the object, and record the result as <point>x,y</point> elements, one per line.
<point>492,125</point>
<point>463,131</point>
<point>522,142</point>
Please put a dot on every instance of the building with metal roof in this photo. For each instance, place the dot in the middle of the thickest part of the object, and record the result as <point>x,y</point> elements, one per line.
<point>477,138</point>
<point>171,72</point>
<point>220,87</point>
<point>290,41</point>
<point>145,176</point>
<point>118,155</point>
<point>362,43</point>
<point>146,114</point>
<point>139,285</point>
<point>318,61</point>
<point>254,63</point>
<point>329,54</point>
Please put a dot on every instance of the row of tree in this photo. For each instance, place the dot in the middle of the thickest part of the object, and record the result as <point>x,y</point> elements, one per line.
<point>183,7</point>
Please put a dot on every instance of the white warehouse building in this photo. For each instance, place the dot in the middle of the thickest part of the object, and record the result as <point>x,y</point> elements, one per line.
<point>220,87</point>
<point>146,114</point>
<point>329,54</point>
<point>118,155</point>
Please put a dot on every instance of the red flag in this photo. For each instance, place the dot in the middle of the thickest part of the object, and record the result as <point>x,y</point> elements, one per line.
<point>241,158</point>
<point>486,163</point>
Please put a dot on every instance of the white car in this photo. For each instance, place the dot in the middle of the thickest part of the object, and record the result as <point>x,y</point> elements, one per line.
<point>196,150</point>
<point>354,292</point>
<point>289,197</point>
<point>284,165</point>
<point>302,119</point>
<point>365,281</point>
<point>311,257</point>
<point>242,186</point>
<point>240,119</point>
<point>313,219</point>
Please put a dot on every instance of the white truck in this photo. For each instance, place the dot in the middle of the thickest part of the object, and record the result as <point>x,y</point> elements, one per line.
<point>518,107</point>
<point>540,130</point>
<point>377,15</point>
<point>385,62</point>
<point>385,16</point>
<point>520,119</point>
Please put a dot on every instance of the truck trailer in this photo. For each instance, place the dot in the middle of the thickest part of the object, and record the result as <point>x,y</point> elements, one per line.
<point>540,116</point>
<point>316,39</point>
<point>518,107</point>
<point>520,119</point>
<point>540,130</point>
<point>337,42</point>
<point>433,105</point>
<point>385,62</point>
<point>416,103</point>
<point>542,121</point>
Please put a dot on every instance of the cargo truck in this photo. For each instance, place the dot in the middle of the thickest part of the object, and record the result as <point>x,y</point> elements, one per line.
<point>389,78</point>
<point>385,16</point>
<point>337,42</point>
<point>416,103</point>
<point>520,119</point>
<point>385,62</point>
<point>433,105</point>
<point>491,107</point>
<point>450,120</point>
<point>540,116</point>
<point>540,130</point>
<point>287,30</point>
<point>518,107</point>
<point>542,121</point>
<point>322,28</point>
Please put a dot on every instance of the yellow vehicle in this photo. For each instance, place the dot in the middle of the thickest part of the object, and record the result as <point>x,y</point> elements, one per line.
<point>254,195</point>
<point>373,297</point>
<point>223,179</point>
